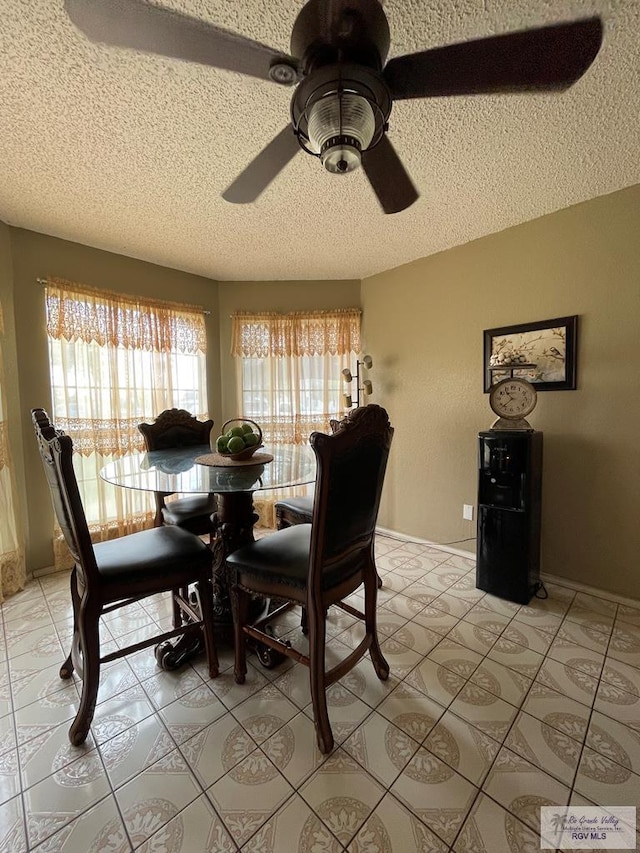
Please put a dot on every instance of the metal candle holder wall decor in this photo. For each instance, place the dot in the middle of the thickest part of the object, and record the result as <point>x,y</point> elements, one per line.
<point>362,385</point>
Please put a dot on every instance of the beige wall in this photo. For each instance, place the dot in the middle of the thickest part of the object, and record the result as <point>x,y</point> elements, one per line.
<point>36,256</point>
<point>280,296</point>
<point>423,324</point>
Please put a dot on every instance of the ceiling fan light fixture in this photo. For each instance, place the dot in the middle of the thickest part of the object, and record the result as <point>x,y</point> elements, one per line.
<point>341,125</point>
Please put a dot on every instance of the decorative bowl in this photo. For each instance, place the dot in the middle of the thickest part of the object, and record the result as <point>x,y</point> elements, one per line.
<point>248,452</point>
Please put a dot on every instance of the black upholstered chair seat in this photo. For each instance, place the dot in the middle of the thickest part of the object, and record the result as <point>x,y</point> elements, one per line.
<point>283,558</point>
<point>145,558</point>
<point>184,511</point>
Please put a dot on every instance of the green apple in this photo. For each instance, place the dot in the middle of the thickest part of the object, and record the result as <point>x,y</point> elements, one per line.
<point>221,443</point>
<point>247,428</point>
<point>235,431</point>
<point>250,439</point>
<point>236,444</point>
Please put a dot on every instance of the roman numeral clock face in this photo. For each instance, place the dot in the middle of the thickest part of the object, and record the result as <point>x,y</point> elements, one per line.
<point>513,398</point>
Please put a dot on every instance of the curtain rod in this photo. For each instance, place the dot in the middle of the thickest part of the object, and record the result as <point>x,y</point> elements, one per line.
<point>43,281</point>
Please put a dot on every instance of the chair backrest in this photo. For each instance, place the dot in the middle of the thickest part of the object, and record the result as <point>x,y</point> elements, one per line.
<point>351,464</point>
<point>175,428</point>
<point>56,450</point>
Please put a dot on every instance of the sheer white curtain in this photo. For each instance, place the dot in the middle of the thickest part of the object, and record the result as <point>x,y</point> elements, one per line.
<point>12,564</point>
<point>116,361</point>
<point>289,375</point>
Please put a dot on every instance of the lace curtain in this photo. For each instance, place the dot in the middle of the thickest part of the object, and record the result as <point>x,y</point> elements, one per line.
<point>117,361</point>
<point>289,376</point>
<point>12,564</point>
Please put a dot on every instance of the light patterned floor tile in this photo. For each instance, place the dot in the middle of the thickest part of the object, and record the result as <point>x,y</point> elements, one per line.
<point>486,618</point>
<point>346,711</point>
<point>574,683</point>
<point>395,583</point>
<point>614,740</point>
<point>363,682</point>
<point>484,710</point>
<point>450,604</point>
<point>12,835</point>
<point>392,828</point>
<point>119,713</point>
<point>64,796</point>
<point>230,693</point>
<point>404,606</point>
<point>435,681</point>
<point>586,635</point>
<point>462,746</point>
<point>434,792</point>
<point>401,658</point>
<point>417,637</point>
<point>97,830</point>
<point>500,605</point>
<point>136,748</point>
<point>7,734</point>
<point>472,636</point>
<point>538,617</point>
<point>381,748</point>
<point>293,827</point>
<point>577,656</point>
<point>9,775</point>
<point>528,636</point>
<point>491,829</point>
<point>25,665</point>
<point>192,712</point>
<point>342,794</point>
<point>595,603</point>
<point>248,795</point>
<point>501,681</point>
<point>457,658</point>
<point>625,644</point>
<point>48,752</point>
<point>197,828</point>
<point>517,657</point>
<point>165,687</point>
<point>436,620</point>
<point>593,620</point>
<point>156,795</point>
<point>444,576</point>
<point>558,711</point>
<point>522,788</point>
<point>265,712</point>
<point>411,711</point>
<point>628,614</point>
<point>216,749</point>
<point>604,781</point>
<point>294,750</point>
<point>548,748</point>
<point>621,675</point>
<point>421,592</point>
<point>47,713</point>
<point>619,705</point>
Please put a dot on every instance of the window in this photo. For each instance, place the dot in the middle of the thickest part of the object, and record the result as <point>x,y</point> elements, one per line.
<point>116,361</point>
<point>289,369</point>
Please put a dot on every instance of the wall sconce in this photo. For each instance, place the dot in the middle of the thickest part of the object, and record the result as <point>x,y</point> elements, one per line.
<point>362,385</point>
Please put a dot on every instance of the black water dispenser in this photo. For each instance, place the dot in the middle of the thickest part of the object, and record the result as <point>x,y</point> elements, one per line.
<point>509,500</point>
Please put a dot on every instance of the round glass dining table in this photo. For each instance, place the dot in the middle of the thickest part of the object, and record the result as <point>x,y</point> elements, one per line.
<point>177,471</point>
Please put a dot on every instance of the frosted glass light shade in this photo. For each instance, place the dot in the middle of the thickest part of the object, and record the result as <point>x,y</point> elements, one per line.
<point>341,125</point>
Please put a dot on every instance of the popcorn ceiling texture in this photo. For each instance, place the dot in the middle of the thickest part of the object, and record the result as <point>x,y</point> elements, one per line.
<point>130,153</point>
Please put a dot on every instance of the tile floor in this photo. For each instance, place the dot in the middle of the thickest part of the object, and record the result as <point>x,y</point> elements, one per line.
<point>491,711</point>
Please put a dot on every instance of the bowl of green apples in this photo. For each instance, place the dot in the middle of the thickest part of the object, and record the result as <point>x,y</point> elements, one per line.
<point>239,439</point>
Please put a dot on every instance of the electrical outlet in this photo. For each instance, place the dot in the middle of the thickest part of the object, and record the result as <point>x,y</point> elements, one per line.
<point>467,512</point>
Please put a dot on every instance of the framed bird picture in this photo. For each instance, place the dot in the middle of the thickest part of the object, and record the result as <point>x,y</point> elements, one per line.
<point>544,353</point>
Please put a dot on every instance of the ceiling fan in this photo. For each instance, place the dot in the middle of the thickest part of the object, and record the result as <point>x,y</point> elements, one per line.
<point>344,91</point>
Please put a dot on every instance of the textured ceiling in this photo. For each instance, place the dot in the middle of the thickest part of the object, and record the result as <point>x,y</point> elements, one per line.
<point>129,152</point>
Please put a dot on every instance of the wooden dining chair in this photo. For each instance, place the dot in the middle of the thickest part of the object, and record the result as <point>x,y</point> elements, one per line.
<point>318,565</point>
<point>113,574</point>
<point>179,428</point>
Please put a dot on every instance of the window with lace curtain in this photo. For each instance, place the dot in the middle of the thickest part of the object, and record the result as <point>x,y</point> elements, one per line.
<point>289,375</point>
<point>12,564</point>
<point>115,361</point>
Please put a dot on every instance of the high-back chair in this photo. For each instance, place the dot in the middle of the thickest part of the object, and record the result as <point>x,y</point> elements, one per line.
<point>319,564</point>
<point>113,574</point>
<point>179,428</point>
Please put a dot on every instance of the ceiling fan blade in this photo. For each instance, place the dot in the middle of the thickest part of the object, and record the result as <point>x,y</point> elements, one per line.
<point>548,58</point>
<point>137,25</point>
<point>388,177</point>
<point>263,168</point>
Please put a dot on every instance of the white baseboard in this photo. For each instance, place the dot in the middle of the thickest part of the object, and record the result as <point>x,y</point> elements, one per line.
<point>393,534</point>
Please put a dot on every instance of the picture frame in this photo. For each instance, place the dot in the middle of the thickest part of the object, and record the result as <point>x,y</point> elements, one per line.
<point>549,345</point>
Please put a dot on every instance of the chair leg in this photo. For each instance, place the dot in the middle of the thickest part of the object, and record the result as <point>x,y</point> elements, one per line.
<point>370,606</point>
<point>205,595</point>
<point>240,608</point>
<point>304,621</point>
<point>90,644</point>
<point>317,629</point>
<point>66,670</point>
